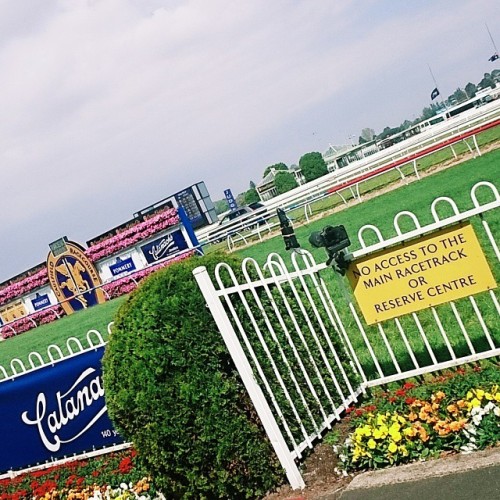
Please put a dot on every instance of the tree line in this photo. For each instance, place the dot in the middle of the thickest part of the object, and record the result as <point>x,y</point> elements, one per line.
<point>312,165</point>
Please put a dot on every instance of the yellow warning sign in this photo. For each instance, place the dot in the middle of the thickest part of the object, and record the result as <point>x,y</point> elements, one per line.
<point>438,268</point>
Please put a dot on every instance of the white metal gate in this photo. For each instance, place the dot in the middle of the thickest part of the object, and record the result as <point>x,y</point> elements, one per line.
<point>304,352</point>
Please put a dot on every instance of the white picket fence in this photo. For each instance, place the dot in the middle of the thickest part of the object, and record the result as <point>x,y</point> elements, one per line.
<point>305,353</point>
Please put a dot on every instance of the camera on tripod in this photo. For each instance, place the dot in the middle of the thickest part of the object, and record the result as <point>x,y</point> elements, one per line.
<point>287,230</point>
<point>335,240</point>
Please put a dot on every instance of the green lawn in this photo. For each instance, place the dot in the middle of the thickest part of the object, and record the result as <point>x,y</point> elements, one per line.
<point>416,197</point>
<point>77,325</point>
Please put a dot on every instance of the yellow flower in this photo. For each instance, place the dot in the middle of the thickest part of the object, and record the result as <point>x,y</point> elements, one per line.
<point>395,427</point>
<point>381,419</point>
<point>409,432</point>
<point>371,444</point>
<point>381,432</point>
<point>392,447</point>
<point>475,402</point>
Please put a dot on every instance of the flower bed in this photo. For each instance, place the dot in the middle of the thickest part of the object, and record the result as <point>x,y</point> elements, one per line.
<point>456,412</point>
<point>128,283</point>
<point>23,286</point>
<point>104,248</point>
<point>27,323</point>
<point>115,475</point>
<point>133,234</point>
<point>113,289</point>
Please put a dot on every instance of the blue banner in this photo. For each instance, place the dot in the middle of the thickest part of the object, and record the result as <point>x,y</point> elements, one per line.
<point>122,266</point>
<point>40,301</point>
<point>161,248</point>
<point>230,199</point>
<point>53,412</point>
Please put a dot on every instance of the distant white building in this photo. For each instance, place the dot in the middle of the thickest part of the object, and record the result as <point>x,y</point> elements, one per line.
<point>267,188</point>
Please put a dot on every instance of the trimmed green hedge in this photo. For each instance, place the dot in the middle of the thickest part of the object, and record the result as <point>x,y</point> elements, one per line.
<point>173,390</point>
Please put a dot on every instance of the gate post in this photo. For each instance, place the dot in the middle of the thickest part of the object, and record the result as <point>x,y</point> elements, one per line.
<point>245,370</point>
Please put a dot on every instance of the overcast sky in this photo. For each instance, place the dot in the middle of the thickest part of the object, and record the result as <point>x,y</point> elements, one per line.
<point>108,106</point>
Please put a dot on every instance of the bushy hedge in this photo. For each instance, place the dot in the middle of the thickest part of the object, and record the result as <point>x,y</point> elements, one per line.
<point>172,389</point>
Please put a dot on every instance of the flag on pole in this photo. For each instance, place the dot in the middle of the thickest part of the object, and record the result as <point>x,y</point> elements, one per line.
<point>494,57</point>
<point>434,93</point>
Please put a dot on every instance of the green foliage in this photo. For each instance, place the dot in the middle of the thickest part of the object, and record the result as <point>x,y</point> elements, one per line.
<point>276,166</point>
<point>284,181</point>
<point>172,389</point>
<point>251,196</point>
<point>470,90</point>
<point>221,206</point>
<point>313,166</point>
<point>487,81</point>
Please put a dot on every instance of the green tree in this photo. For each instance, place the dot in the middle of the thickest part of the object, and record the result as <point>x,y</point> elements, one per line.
<point>276,166</point>
<point>470,90</point>
<point>221,206</point>
<point>251,196</point>
<point>367,135</point>
<point>240,199</point>
<point>313,166</point>
<point>284,181</point>
<point>487,81</point>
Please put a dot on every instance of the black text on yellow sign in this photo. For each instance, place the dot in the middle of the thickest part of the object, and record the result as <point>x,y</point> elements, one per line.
<point>432,270</point>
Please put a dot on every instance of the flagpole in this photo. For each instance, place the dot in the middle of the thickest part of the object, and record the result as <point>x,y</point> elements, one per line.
<point>491,38</point>
<point>436,85</point>
<point>432,74</point>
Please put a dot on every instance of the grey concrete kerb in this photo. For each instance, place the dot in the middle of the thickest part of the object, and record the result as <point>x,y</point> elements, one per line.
<point>452,464</point>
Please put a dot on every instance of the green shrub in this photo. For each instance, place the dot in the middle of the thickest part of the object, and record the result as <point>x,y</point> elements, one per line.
<point>172,389</point>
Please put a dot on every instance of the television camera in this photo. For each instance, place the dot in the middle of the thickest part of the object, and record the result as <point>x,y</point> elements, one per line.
<point>335,240</point>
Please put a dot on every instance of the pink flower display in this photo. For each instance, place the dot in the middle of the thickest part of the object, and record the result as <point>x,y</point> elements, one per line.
<point>133,234</point>
<point>23,286</point>
<point>28,322</point>
<point>113,289</point>
<point>104,248</point>
<point>128,283</point>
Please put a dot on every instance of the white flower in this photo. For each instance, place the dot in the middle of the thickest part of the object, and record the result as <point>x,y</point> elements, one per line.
<point>123,486</point>
<point>490,406</point>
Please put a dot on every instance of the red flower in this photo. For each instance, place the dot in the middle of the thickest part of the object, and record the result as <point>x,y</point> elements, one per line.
<point>400,393</point>
<point>125,465</point>
<point>410,401</point>
<point>408,385</point>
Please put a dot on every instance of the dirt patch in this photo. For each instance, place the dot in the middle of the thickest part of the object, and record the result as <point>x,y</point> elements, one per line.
<point>320,470</point>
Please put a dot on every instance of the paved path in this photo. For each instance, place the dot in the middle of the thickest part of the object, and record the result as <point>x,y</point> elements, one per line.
<point>459,477</point>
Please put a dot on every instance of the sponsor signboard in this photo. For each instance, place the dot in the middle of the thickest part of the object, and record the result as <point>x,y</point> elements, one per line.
<point>122,266</point>
<point>40,301</point>
<point>230,199</point>
<point>159,249</point>
<point>438,268</point>
<point>53,412</point>
<point>74,278</point>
